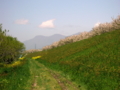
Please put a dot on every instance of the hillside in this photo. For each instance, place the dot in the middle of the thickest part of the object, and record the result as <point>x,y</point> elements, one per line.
<point>93,62</point>
<point>40,41</point>
<point>46,40</point>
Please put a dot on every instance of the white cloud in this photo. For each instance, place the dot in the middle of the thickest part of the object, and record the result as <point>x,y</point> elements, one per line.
<point>47,24</point>
<point>97,24</point>
<point>21,21</point>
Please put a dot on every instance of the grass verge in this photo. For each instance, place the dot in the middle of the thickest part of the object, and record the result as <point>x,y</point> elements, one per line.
<point>14,78</point>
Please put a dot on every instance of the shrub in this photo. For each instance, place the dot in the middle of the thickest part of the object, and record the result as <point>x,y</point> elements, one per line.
<point>10,47</point>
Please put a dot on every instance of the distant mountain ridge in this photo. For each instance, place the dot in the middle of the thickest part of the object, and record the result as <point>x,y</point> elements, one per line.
<point>40,41</point>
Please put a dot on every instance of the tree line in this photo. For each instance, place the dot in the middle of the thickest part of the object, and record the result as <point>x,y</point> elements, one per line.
<point>97,30</point>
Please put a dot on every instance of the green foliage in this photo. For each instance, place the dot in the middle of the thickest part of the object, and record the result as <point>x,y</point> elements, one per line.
<point>10,47</point>
<point>95,62</point>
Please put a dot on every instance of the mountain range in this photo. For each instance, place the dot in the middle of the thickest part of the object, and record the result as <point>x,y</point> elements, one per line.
<point>38,42</point>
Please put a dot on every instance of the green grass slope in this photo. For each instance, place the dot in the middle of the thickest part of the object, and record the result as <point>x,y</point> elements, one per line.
<point>93,62</point>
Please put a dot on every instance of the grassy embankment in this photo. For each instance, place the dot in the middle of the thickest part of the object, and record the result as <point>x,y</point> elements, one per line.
<point>93,62</point>
<point>28,74</point>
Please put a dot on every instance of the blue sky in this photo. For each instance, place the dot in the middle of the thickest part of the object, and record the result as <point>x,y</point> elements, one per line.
<point>27,18</point>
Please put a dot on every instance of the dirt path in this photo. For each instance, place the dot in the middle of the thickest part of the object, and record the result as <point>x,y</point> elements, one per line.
<point>63,82</point>
<point>45,79</point>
